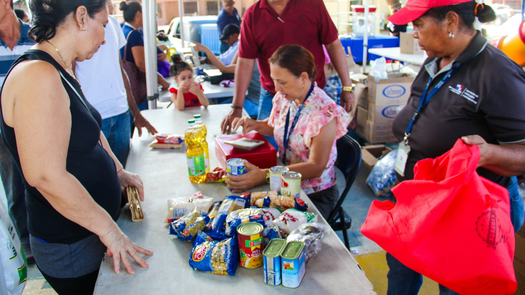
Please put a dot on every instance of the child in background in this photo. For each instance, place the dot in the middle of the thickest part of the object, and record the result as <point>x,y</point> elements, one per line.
<point>189,94</point>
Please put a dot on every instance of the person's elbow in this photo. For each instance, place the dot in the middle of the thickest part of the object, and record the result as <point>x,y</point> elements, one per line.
<point>205,103</point>
<point>141,65</point>
<point>42,180</point>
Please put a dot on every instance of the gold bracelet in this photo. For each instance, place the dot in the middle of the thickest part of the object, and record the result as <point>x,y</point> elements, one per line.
<point>348,88</point>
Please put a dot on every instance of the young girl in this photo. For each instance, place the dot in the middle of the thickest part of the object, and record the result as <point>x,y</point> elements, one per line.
<point>190,94</point>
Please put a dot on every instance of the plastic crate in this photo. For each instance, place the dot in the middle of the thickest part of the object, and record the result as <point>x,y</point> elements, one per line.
<point>210,37</point>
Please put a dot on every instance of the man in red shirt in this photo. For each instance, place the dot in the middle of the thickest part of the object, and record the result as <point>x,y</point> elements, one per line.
<point>269,24</point>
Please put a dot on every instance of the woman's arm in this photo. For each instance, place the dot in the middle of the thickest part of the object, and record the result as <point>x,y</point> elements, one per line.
<point>195,88</point>
<point>504,159</point>
<point>319,156</point>
<point>179,101</point>
<point>230,69</point>
<point>41,114</point>
<point>248,124</point>
<point>138,56</point>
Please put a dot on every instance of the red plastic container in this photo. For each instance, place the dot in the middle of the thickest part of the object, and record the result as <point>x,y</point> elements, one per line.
<point>264,156</point>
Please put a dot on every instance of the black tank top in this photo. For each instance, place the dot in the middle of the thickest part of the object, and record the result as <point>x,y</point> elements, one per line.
<point>86,160</point>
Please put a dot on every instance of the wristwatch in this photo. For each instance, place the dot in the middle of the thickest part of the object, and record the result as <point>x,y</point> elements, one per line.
<point>348,88</point>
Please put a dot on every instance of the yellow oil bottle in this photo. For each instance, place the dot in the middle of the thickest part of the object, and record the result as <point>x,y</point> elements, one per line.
<point>194,154</point>
<point>203,132</point>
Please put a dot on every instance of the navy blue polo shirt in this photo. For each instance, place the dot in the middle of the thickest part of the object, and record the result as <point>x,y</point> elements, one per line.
<point>8,56</point>
<point>225,19</point>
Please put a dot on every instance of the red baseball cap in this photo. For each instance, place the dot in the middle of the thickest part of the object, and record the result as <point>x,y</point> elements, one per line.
<point>416,8</point>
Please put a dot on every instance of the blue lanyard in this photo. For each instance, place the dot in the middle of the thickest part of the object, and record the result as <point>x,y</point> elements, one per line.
<point>286,125</point>
<point>425,99</point>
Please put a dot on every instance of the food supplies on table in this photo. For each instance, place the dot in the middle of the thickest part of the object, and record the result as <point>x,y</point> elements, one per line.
<point>254,196</point>
<point>220,258</point>
<point>293,218</point>
<point>181,206</point>
<point>238,217</point>
<point>229,204</point>
<point>271,199</point>
<point>383,177</point>
<point>311,234</point>
<point>167,141</point>
<point>187,227</point>
<point>217,175</point>
<point>293,265</point>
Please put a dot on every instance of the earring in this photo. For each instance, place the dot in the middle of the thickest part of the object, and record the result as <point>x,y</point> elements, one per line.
<point>83,29</point>
<point>303,85</point>
<point>451,35</point>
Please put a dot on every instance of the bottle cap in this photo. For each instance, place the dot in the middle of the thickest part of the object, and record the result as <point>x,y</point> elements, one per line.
<point>191,121</point>
<point>197,116</point>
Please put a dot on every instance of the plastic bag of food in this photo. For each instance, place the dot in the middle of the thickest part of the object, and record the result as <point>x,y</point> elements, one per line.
<point>181,206</point>
<point>220,258</point>
<point>13,261</point>
<point>254,196</point>
<point>272,232</point>
<point>311,234</point>
<point>292,218</point>
<point>167,141</point>
<point>229,204</point>
<point>270,214</point>
<point>236,218</point>
<point>281,203</point>
<point>187,227</point>
<point>383,177</point>
<point>217,175</point>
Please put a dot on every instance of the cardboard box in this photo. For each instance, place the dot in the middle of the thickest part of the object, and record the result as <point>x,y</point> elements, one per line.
<point>409,45</point>
<point>362,115</point>
<point>370,154</point>
<point>361,95</point>
<point>379,133</point>
<point>394,90</point>
<point>383,114</point>
<point>359,78</point>
<point>519,261</point>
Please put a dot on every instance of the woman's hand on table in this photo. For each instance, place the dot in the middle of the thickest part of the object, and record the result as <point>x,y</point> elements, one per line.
<point>120,246</point>
<point>227,121</point>
<point>248,180</point>
<point>131,179</point>
<point>248,124</point>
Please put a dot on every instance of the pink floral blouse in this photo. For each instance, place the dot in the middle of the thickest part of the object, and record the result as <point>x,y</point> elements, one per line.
<point>318,110</point>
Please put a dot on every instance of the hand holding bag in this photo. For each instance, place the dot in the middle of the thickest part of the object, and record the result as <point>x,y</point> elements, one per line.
<point>449,224</point>
<point>137,78</point>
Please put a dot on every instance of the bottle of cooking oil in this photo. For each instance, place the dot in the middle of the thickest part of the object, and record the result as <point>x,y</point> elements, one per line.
<point>194,154</point>
<point>203,132</point>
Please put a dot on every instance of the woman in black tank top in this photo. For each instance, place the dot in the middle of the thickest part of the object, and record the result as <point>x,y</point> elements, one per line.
<point>73,179</point>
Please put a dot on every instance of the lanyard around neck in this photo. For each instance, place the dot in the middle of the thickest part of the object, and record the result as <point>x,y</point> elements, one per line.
<point>287,134</point>
<point>425,99</point>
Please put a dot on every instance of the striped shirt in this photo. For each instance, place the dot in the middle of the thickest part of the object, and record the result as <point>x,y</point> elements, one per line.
<point>8,56</point>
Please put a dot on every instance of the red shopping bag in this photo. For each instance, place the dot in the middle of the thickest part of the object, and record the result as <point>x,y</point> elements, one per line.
<point>449,224</point>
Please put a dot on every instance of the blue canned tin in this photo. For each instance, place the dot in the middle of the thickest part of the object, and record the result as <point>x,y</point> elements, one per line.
<point>272,261</point>
<point>293,264</point>
<point>235,167</point>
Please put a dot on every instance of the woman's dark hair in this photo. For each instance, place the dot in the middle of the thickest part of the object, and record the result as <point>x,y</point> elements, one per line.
<point>49,14</point>
<point>130,9</point>
<point>295,58</point>
<point>178,65</point>
<point>20,13</point>
<point>467,12</point>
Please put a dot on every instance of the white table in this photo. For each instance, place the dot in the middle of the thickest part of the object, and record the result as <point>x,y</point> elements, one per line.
<point>164,173</point>
<point>394,53</point>
<point>210,91</point>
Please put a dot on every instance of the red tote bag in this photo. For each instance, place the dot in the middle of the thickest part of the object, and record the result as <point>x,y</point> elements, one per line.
<point>450,225</point>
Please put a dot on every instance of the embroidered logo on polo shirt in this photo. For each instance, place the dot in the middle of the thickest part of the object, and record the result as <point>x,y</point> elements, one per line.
<point>465,93</point>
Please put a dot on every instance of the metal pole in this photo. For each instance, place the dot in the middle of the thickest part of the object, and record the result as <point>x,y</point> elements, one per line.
<point>365,39</point>
<point>150,52</point>
<point>181,23</point>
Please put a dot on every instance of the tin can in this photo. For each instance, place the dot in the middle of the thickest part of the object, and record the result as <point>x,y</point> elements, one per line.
<point>275,177</point>
<point>272,261</point>
<point>293,264</point>
<point>291,184</point>
<point>250,237</point>
<point>235,167</point>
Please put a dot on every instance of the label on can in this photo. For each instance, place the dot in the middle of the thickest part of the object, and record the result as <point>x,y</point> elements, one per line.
<point>196,165</point>
<point>275,177</point>
<point>293,264</point>
<point>235,167</point>
<point>250,244</point>
<point>291,184</point>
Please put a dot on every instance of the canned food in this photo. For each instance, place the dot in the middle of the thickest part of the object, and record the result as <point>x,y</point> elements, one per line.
<point>250,244</point>
<point>235,167</point>
<point>293,264</point>
<point>272,261</point>
<point>275,177</point>
<point>291,184</point>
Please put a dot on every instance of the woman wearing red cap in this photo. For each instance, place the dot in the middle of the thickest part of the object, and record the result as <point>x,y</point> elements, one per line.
<point>466,89</point>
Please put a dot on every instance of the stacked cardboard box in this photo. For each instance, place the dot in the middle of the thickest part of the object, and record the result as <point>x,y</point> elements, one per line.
<point>384,99</point>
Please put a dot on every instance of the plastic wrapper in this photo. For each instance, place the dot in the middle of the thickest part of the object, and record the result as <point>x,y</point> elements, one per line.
<point>181,206</point>
<point>229,204</point>
<point>270,214</point>
<point>220,258</point>
<point>311,234</point>
<point>272,232</point>
<point>282,203</point>
<point>378,69</point>
<point>292,219</point>
<point>217,175</point>
<point>254,196</point>
<point>214,209</point>
<point>187,227</point>
<point>13,262</point>
<point>167,141</point>
<point>383,176</point>
<point>236,218</point>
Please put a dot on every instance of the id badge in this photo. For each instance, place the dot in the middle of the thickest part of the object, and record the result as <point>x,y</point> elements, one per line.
<point>401,158</point>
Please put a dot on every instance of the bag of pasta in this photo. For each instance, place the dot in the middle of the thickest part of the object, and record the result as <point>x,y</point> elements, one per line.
<point>187,227</point>
<point>236,218</point>
<point>220,258</point>
<point>229,204</point>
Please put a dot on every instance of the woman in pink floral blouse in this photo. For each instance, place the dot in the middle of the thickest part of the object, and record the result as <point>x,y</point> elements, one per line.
<point>307,142</point>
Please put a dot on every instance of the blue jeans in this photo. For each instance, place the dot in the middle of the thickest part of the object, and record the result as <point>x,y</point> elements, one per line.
<point>403,280</point>
<point>265,109</point>
<point>15,192</point>
<point>117,130</point>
